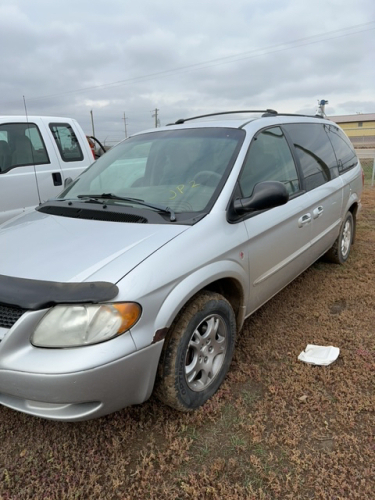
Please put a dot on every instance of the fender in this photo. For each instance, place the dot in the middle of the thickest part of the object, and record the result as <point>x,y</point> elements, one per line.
<point>197,281</point>
<point>352,185</point>
<point>353,198</point>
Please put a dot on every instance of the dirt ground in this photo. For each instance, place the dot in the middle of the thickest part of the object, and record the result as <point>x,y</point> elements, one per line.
<point>277,429</point>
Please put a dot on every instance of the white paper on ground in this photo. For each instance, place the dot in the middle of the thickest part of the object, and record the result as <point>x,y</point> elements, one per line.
<point>319,355</point>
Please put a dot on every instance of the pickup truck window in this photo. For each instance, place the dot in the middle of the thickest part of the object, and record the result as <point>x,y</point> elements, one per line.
<point>66,141</point>
<point>21,144</point>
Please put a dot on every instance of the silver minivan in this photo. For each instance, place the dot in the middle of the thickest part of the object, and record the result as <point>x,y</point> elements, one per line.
<point>139,275</point>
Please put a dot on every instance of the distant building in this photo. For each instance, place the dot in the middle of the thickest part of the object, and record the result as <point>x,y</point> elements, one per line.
<point>360,128</point>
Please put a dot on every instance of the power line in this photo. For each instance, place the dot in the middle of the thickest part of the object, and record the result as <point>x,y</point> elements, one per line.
<point>225,60</point>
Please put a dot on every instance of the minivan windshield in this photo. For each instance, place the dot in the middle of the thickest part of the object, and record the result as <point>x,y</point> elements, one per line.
<point>182,170</point>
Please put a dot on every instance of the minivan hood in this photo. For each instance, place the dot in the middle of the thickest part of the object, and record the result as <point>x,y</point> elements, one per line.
<point>52,248</point>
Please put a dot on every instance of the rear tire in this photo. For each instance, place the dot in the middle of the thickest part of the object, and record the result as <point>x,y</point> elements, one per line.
<point>197,352</point>
<point>340,250</point>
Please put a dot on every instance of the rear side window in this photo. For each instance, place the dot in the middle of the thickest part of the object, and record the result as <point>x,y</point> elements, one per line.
<point>66,141</point>
<point>269,159</point>
<point>346,157</point>
<point>21,144</point>
<point>315,153</point>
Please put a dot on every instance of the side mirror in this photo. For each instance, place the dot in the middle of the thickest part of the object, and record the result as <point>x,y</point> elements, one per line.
<point>67,181</point>
<point>268,194</point>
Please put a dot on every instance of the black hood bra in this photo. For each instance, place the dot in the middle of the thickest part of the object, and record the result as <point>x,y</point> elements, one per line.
<point>36,294</point>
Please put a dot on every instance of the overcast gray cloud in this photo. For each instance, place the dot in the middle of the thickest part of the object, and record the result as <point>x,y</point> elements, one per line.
<point>183,58</point>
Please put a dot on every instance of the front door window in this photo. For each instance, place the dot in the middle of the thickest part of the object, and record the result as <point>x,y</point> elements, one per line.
<point>269,159</point>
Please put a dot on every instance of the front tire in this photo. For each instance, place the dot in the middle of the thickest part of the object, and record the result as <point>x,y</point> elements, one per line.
<point>197,352</point>
<point>340,250</point>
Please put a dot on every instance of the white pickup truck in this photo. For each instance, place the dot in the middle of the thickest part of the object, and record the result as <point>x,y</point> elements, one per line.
<point>38,156</point>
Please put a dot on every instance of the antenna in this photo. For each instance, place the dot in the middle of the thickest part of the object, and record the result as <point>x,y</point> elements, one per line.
<point>24,103</point>
<point>32,152</point>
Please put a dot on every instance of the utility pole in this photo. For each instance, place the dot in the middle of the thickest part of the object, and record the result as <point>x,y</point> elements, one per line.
<point>156,117</point>
<point>126,132</point>
<point>92,123</point>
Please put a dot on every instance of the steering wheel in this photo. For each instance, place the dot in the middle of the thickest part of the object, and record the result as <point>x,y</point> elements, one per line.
<point>206,174</point>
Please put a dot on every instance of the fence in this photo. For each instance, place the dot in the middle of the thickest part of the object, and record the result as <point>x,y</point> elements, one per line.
<point>368,165</point>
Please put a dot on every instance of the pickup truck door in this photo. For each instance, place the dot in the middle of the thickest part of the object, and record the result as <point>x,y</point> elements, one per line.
<point>279,238</point>
<point>36,157</point>
<point>71,154</point>
<point>15,185</point>
<point>23,154</point>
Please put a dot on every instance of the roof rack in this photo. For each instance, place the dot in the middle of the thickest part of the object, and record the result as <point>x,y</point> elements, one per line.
<point>306,116</point>
<point>267,112</point>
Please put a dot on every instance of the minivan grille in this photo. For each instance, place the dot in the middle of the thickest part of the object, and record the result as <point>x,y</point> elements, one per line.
<point>9,315</point>
<point>82,213</point>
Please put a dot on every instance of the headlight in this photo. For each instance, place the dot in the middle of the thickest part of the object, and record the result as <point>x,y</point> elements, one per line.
<point>79,325</point>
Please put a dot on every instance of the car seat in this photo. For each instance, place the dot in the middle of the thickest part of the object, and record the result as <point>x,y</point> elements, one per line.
<point>4,156</point>
<point>23,151</point>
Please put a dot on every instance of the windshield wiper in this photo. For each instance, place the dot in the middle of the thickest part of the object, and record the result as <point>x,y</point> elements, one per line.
<point>93,200</point>
<point>111,196</point>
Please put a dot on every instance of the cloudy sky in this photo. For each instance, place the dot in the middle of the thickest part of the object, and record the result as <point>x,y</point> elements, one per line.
<point>183,58</point>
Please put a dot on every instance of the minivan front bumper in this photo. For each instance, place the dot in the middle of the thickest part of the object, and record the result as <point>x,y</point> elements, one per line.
<point>86,394</point>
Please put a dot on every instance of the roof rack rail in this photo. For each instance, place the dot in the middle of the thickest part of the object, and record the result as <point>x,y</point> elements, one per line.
<point>267,112</point>
<point>296,114</point>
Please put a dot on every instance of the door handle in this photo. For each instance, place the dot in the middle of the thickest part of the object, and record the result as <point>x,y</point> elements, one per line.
<point>57,179</point>
<point>305,219</point>
<point>317,212</point>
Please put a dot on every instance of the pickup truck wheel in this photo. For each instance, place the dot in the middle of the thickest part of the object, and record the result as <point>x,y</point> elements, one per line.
<point>197,352</point>
<point>340,250</point>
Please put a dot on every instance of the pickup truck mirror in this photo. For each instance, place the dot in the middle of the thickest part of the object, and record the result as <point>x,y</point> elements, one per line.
<point>67,181</point>
<point>268,194</point>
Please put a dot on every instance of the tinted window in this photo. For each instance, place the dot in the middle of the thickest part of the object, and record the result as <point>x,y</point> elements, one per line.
<point>269,159</point>
<point>66,141</point>
<point>21,144</point>
<point>344,150</point>
<point>315,153</point>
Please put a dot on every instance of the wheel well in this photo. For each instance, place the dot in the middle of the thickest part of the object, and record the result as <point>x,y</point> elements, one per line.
<point>232,291</point>
<point>354,209</point>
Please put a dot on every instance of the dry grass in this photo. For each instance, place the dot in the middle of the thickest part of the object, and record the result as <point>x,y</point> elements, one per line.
<point>277,428</point>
